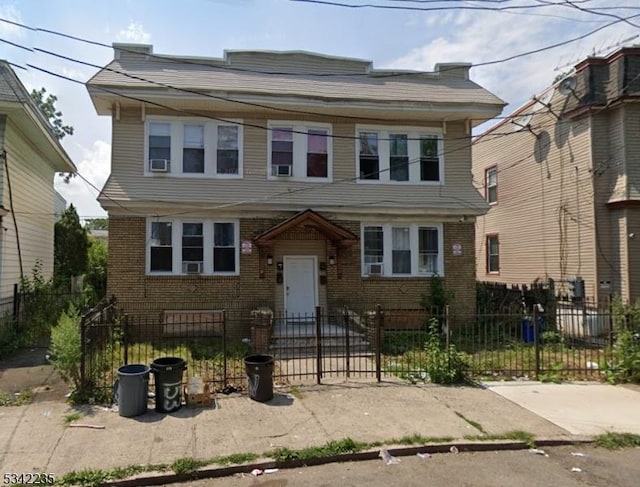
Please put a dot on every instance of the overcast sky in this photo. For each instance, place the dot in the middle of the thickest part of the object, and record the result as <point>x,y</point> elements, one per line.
<point>408,39</point>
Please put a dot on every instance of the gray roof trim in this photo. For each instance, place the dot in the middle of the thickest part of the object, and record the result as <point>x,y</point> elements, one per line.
<point>13,91</point>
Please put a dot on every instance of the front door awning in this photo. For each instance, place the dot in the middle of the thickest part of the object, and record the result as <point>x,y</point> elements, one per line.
<point>339,236</point>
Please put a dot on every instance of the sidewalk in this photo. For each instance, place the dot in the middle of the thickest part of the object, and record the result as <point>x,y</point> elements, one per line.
<point>34,438</point>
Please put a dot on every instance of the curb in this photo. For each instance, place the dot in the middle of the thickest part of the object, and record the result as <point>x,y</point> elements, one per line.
<point>217,472</point>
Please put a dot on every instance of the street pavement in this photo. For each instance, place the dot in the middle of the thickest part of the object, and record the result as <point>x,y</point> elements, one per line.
<point>36,438</point>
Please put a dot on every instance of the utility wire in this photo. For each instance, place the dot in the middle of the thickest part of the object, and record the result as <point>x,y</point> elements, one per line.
<point>380,75</point>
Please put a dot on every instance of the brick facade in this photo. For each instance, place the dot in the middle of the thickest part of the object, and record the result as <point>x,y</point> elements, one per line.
<point>256,285</point>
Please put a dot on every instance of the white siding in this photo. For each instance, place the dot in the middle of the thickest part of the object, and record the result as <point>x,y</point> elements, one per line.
<point>127,182</point>
<point>544,213</point>
<point>33,203</point>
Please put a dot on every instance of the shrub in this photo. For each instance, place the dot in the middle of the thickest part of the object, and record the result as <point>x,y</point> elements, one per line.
<point>444,363</point>
<point>624,365</point>
<point>66,346</point>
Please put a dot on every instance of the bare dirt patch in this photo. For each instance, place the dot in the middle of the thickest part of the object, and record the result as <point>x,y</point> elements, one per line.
<point>28,370</point>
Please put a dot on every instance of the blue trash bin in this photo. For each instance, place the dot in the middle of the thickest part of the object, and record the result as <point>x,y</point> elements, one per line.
<point>528,330</point>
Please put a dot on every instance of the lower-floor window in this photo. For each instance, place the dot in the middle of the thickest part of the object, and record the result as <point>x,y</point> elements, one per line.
<point>493,254</point>
<point>192,246</point>
<point>402,249</point>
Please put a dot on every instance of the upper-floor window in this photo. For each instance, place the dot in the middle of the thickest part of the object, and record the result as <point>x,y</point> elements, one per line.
<point>399,154</point>
<point>300,151</point>
<point>192,247</point>
<point>491,185</point>
<point>193,147</point>
<point>402,250</point>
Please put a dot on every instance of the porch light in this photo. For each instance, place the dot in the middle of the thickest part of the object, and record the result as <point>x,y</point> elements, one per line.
<point>332,260</point>
<point>269,259</point>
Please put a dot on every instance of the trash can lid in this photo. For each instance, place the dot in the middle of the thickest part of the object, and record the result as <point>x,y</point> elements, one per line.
<point>168,363</point>
<point>133,369</point>
<point>258,359</point>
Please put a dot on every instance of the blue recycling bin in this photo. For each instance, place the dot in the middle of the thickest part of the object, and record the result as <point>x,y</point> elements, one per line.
<point>529,331</point>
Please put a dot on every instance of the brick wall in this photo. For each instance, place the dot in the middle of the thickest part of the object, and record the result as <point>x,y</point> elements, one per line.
<point>256,286</point>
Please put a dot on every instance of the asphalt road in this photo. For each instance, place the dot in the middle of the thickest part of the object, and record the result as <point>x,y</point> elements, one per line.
<point>509,468</point>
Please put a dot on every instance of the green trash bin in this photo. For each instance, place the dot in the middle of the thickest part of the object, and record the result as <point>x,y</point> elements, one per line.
<point>131,390</point>
<point>259,370</point>
<point>168,379</point>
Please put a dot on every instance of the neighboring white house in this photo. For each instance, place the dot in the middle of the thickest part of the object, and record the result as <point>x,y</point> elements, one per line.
<point>30,156</point>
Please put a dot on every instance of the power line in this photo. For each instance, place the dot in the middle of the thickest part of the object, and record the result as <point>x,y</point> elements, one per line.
<point>379,75</point>
<point>171,108</point>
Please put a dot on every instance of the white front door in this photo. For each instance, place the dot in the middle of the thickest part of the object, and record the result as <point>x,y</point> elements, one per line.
<point>300,286</point>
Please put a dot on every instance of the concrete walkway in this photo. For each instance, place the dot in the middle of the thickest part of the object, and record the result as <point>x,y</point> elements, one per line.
<point>581,408</point>
<point>34,438</point>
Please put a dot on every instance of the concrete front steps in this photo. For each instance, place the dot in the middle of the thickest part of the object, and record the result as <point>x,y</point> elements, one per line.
<point>298,340</point>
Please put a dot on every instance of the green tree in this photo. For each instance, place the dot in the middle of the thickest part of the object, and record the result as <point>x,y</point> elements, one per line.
<point>48,108</point>
<point>96,276</point>
<point>71,245</point>
<point>97,224</point>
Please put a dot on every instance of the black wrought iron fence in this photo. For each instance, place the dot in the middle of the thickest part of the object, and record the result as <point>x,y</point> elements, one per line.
<point>573,342</point>
<point>375,343</point>
<point>27,316</point>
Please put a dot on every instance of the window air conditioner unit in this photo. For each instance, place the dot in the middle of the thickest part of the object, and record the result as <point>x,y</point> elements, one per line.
<point>159,165</point>
<point>282,170</point>
<point>192,267</point>
<point>375,269</point>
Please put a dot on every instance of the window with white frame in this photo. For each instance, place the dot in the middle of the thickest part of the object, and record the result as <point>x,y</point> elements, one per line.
<point>159,146</point>
<point>160,247</point>
<point>399,154</point>
<point>192,247</point>
<point>491,185</point>
<point>194,147</point>
<point>224,247</point>
<point>300,150</point>
<point>493,254</point>
<point>402,250</point>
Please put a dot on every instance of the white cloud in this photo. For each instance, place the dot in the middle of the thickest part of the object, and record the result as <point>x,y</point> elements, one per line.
<point>93,168</point>
<point>134,33</point>
<point>489,36</point>
<point>77,74</point>
<point>11,13</point>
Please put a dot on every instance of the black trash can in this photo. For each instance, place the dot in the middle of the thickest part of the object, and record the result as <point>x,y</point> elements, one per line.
<point>131,390</point>
<point>259,370</point>
<point>168,378</point>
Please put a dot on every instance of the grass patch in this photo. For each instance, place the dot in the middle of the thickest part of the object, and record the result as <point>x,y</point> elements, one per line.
<point>346,445</point>
<point>516,435</point>
<point>18,399</point>
<point>87,478</point>
<point>295,392</point>
<point>188,465</point>
<point>416,439</point>
<point>71,417</point>
<point>237,458</point>
<point>616,441</point>
<point>90,477</point>
<point>475,424</point>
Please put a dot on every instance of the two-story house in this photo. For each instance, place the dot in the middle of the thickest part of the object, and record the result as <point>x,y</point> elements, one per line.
<point>30,156</point>
<point>287,179</point>
<point>562,177</point>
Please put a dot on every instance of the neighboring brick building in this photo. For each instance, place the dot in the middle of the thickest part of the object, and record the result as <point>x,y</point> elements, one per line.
<point>287,180</point>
